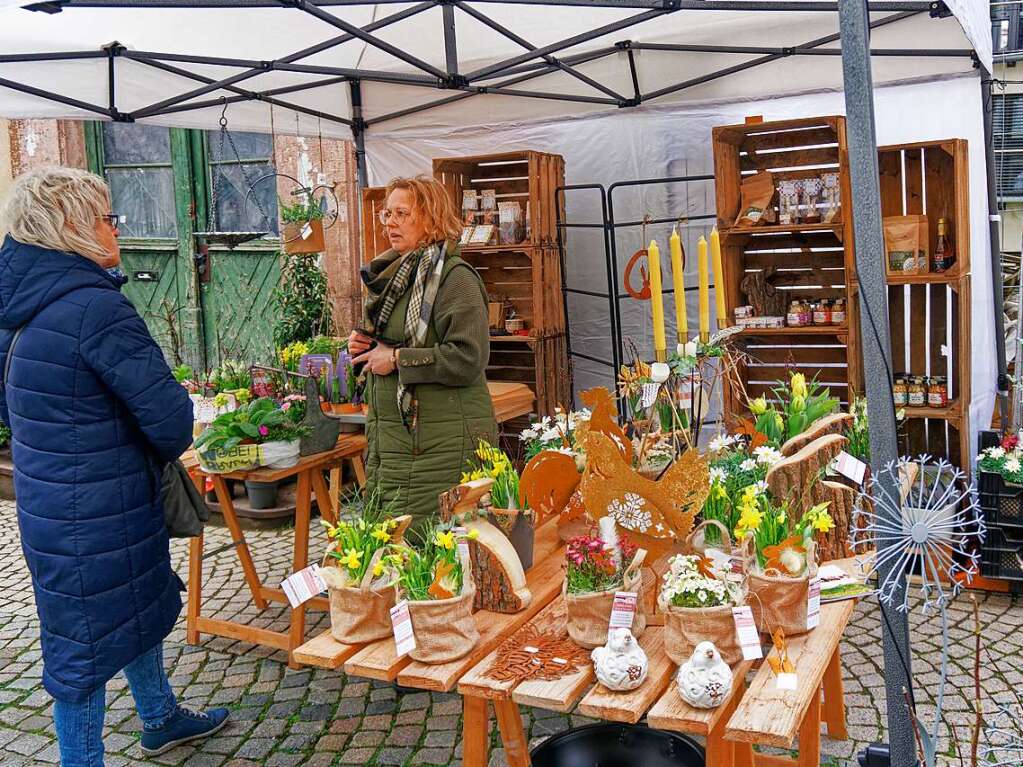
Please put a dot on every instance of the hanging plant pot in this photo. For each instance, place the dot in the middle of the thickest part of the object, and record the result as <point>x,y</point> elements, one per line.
<point>262,495</point>
<point>304,237</point>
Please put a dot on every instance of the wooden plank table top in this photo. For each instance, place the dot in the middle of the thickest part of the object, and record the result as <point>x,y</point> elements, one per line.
<point>772,717</point>
<point>629,707</point>
<point>673,713</point>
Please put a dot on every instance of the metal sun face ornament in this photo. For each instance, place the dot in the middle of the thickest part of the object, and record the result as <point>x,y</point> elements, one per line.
<point>928,535</point>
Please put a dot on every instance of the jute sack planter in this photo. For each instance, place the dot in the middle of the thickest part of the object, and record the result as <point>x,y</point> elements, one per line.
<point>589,614</point>
<point>781,601</point>
<point>444,628</point>
<point>686,627</point>
<point>363,613</point>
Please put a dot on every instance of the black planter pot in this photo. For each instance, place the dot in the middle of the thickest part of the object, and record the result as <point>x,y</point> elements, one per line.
<point>618,745</point>
<point>262,495</point>
<point>521,535</point>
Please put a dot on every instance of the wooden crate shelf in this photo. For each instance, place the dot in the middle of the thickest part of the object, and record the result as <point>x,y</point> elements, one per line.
<point>932,178</point>
<point>810,261</point>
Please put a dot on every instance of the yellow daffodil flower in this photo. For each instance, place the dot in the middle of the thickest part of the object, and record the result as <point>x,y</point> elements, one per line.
<point>378,569</point>
<point>352,559</point>
<point>381,535</point>
<point>473,534</point>
<point>750,518</point>
<point>823,523</point>
<point>446,540</point>
<point>798,385</point>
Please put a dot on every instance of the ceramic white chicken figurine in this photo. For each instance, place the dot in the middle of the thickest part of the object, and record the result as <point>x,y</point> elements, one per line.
<point>620,665</point>
<point>704,680</point>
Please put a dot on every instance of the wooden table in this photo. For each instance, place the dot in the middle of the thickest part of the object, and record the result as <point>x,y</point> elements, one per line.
<point>309,472</point>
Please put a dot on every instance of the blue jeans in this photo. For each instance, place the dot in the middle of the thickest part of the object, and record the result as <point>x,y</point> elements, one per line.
<point>80,725</point>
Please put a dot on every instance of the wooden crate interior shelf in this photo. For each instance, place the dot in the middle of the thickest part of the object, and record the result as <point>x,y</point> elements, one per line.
<point>929,314</point>
<point>810,261</point>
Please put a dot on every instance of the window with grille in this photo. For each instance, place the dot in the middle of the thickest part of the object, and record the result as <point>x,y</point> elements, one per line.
<point>246,193</point>
<point>137,165</point>
<point>1008,135</point>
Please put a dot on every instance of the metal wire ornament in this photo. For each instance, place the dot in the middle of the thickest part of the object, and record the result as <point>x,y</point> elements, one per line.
<point>928,535</point>
<point>1002,744</point>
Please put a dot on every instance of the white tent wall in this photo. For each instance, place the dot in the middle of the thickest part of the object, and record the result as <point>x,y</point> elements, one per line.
<point>675,141</point>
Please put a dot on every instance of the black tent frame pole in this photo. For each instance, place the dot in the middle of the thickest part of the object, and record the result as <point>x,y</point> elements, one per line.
<point>785,6</point>
<point>358,134</point>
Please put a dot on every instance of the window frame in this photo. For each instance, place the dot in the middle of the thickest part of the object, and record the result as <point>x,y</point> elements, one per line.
<point>204,138</point>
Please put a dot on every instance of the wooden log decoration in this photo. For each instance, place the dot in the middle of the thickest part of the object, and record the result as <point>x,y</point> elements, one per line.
<point>799,479</point>
<point>835,423</point>
<point>767,301</point>
<point>496,568</point>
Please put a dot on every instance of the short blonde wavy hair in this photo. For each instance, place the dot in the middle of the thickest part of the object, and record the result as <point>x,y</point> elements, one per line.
<point>56,208</point>
<point>431,201</point>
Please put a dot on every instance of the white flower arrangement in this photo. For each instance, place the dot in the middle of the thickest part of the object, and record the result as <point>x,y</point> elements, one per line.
<point>1005,459</point>
<point>717,475</point>
<point>722,441</point>
<point>767,456</point>
<point>748,465</point>
<point>685,586</point>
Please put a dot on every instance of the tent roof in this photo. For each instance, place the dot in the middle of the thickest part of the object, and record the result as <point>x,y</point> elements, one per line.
<point>309,58</point>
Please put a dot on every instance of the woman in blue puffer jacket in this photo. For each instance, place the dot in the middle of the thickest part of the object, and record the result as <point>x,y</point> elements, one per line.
<point>94,414</point>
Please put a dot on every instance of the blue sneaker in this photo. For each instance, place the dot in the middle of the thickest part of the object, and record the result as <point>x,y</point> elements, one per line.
<point>181,727</point>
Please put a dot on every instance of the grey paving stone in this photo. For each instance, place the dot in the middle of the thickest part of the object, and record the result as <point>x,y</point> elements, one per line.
<point>393,756</point>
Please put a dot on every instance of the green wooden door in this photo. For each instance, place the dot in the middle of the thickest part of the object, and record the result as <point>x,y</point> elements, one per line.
<point>160,185</point>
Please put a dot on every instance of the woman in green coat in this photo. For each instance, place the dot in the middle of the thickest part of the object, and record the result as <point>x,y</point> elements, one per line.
<point>426,346</point>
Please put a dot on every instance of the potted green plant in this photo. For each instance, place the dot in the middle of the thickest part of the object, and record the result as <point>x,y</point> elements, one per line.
<point>347,381</point>
<point>257,434</point>
<point>303,226</point>
<point>519,525</point>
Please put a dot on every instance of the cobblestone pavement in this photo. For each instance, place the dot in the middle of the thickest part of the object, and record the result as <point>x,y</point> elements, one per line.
<point>318,718</point>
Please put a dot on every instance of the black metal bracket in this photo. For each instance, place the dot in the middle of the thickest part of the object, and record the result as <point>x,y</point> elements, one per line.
<point>55,6</point>
<point>635,101</point>
<point>121,117</point>
<point>939,10</point>
<point>455,82</point>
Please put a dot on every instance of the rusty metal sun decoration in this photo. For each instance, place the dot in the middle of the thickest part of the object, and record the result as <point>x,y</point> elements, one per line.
<point>928,535</point>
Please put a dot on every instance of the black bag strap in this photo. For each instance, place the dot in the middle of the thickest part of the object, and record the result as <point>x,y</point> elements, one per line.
<point>10,352</point>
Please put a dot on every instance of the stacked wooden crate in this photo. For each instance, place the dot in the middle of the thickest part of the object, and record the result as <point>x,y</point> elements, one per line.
<point>929,313</point>
<point>811,260</point>
<point>526,275</point>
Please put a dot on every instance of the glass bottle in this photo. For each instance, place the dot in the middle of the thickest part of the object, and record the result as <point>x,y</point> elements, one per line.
<point>943,256</point>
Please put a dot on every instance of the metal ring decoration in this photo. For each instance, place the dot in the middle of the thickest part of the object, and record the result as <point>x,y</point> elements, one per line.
<point>310,192</point>
<point>642,294</point>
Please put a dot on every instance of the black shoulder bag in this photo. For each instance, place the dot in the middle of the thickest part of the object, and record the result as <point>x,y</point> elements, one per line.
<point>184,510</point>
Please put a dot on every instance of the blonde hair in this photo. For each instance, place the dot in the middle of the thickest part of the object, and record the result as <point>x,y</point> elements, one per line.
<point>431,201</point>
<point>57,208</point>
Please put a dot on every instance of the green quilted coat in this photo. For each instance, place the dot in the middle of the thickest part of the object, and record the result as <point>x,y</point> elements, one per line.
<point>455,410</point>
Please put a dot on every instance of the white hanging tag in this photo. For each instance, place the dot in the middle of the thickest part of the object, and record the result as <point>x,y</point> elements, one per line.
<point>649,396</point>
<point>303,585</point>
<point>747,634</point>
<point>307,231</point>
<point>463,544</point>
<point>849,467</point>
<point>813,604</point>
<point>623,610</point>
<point>401,625</point>
<point>788,681</point>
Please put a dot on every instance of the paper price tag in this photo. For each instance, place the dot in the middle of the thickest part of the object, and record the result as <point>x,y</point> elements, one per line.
<point>623,610</point>
<point>307,231</point>
<point>747,634</point>
<point>303,585</point>
<point>813,604</point>
<point>788,681</point>
<point>649,395</point>
<point>463,544</point>
<point>849,467</point>
<point>401,625</point>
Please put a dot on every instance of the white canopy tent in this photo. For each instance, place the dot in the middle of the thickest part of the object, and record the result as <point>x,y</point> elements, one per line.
<point>445,76</point>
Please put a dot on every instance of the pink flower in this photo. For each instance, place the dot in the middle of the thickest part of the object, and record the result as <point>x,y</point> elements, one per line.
<point>286,407</point>
<point>263,431</point>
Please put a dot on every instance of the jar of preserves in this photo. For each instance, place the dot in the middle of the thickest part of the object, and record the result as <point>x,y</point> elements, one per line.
<point>900,391</point>
<point>806,312</point>
<point>917,393</point>
<point>794,318</point>
<point>838,312</point>
<point>937,392</point>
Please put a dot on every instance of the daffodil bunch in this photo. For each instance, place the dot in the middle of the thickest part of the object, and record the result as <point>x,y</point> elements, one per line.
<point>489,462</point>
<point>354,544</point>
<point>733,472</point>
<point>432,568</point>
<point>779,542</point>
<point>291,355</point>
<point>794,408</point>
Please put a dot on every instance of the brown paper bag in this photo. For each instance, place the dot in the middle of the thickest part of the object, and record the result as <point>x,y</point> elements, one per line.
<point>361,614</point>
<point>686,627</point>
<point>779,601</point>
<point>589,614</point>
<point>444,628</point>
<point>755,197</point>
<point>907,245</point>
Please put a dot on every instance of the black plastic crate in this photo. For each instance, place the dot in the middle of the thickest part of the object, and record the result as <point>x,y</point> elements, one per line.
<point>1002,502</point>
<point>1001,555</point>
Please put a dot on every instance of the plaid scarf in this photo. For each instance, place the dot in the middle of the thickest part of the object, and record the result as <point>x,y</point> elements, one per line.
<point>423,269</point>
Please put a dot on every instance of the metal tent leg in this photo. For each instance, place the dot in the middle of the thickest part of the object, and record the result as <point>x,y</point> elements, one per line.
<point>854,20</point>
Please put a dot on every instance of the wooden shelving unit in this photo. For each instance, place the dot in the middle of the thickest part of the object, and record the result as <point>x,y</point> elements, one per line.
<point>811,260</point>
<point>527,275</point>
<point>929,314</point>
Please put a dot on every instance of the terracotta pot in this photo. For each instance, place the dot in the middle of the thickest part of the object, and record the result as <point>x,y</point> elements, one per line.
<point>295,243</point>
<point>349,408</point>
<point>365,409</point>
<point>337,408</point>
<point>325,407</point>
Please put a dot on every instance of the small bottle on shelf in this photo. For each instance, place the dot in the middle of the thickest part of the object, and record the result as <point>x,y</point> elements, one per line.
<point>838,312</point>
<point>944,255</point>
<point>937,392</point>
<point>917,395</point>
<point>822,312</point>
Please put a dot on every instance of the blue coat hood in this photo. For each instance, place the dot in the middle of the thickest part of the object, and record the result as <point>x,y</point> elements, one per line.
<point>94,411</point>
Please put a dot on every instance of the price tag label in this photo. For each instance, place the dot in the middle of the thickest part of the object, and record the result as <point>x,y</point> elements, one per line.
<point>747,634</point>
<point>623,610</point>
<point>649,395</point>
<point>401,625</point>
<point>813,604</point>
<point>788,681</point>
<point>307,231</point>
<point>463,544</point>
<point>850,468</point>
<point>303,585</point>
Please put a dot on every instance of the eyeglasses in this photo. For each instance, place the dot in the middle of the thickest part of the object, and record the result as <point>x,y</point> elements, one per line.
<point>112,218</point>
<point>400,216</point>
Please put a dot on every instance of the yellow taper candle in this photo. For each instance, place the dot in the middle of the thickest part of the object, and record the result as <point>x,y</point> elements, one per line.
<point>657,301</point>
<point>719,283</point>
<point>701,262</point>
<point>678,280</point>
